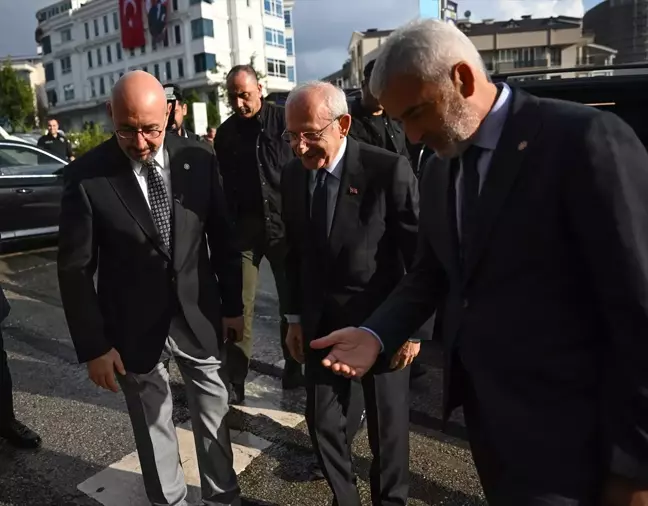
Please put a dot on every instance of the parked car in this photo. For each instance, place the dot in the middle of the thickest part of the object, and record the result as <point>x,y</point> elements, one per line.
<point>31,182</point>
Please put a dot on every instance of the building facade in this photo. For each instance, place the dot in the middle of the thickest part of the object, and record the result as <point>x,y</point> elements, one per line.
<point>515,46</point>
<point>83,57</point>
<point>622,25</point>
<point>30,68</point>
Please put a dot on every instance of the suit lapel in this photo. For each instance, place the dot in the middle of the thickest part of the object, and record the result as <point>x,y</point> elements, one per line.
<point>128,190</point>
<point>519,131</point>
<point>180,174</point>
<point>347,209</point>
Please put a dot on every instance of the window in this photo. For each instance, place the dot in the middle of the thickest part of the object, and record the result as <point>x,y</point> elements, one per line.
<point>27,161</point>
<point>290,50</point>
<point>248,3</point>
<point>143,49</point>
<point>195,2</point>
<point>89,59</point>
<point>175,5</point>
<point>156,71</point>
<point>274,37</point>
<point>66,65</point>
<point>132,53</point>
<point>99,62</point>
<point>121,74</point>
<point>68,92</point>
<point>116,21</point>
<point>112,80</point>
<point>118,50</point>
<point>105,23</point>
<point>102,87</point>
<point>204,62</point>
<point>166,38</point>
<point>108,54</point>
<point>250,32</point>
<point>52,98</point>
<point>66,35</point>
<point>168,76</point>
<point>556,56</point>
<point>49,72</point>
<point>273,7</point>
<point>176,33</point>
<point>145,68</point>
<point>202,28</point>
<point>180,67</point>
<point>46,43</point>
<point>288,18</point>
<point>291,73</point>
<point>87,31</point>
<point>93,90</point>
<point>96,27</point>
<point>276,68</point>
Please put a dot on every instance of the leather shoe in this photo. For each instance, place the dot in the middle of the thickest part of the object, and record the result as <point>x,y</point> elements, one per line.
<point>19,435</point>
<point>236,394</point>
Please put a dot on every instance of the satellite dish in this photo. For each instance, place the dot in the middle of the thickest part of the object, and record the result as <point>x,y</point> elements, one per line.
<point>467,14</point>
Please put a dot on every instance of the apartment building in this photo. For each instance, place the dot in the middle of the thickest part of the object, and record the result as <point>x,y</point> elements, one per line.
<point>513,46</point>
<point>83,56</point>
<point>30,68</point>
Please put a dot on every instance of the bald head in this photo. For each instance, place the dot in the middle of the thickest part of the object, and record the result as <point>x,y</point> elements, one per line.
<point>139,111</point>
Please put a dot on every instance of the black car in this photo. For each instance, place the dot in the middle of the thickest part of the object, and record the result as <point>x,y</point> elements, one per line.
<point>31,182</point>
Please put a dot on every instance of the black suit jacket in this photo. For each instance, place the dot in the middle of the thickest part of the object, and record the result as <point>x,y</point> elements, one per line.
<point>4,306</point>
<point>106,227</point>
<point>372,239</point>
<point>549,315</point>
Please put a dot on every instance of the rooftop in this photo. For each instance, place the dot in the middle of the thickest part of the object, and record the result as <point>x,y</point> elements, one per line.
<point>525,24</point>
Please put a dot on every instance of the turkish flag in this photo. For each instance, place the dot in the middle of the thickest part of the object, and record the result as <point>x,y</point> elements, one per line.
<point>132,24</point>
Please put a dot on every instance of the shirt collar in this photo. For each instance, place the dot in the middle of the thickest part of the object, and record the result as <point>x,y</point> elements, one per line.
<point>335,168</point>
<point>158,159</point>
<point>490,130</point>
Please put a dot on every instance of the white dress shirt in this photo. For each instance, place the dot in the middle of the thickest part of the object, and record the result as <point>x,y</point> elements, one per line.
<point>163,167</point>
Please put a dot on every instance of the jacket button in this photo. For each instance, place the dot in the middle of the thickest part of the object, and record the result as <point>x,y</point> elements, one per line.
<point>465,304</point>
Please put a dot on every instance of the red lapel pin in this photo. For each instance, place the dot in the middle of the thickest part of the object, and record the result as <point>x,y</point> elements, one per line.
<point>353,191</point>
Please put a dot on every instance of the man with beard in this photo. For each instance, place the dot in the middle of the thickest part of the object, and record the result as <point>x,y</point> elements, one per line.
<point>252,155</point>
<point>533,239</point>
<point>140,211</point>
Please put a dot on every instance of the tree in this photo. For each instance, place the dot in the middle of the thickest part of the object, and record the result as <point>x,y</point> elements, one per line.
<point>90,137</point>
<point>16,98</point>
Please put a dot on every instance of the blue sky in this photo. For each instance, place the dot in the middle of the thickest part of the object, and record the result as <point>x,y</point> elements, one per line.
<point>322,27</point>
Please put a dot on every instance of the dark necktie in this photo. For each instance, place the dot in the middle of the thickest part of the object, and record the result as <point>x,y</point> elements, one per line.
<point>159,203</point>
<point>319,215</point>
<point>470,193</point>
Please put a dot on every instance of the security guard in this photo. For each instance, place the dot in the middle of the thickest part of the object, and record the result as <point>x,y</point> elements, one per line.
<point>55,143</point>
<point>173,91</point>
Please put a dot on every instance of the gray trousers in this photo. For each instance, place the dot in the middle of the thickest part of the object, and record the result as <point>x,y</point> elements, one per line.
<point>150,405</point>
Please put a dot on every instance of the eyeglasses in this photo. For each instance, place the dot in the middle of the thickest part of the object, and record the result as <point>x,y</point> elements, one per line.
<point>132,134</point>
<point>308,137</point>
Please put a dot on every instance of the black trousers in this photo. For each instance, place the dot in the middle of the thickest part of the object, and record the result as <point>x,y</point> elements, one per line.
<point>332,417</point>
<point>6,395</point>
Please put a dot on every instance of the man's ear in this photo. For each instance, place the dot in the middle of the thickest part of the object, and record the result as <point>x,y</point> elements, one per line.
<point>345,124</point>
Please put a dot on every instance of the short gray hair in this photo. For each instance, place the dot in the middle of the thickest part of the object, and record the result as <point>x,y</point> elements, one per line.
<point>426,48</point>
<point>334,97</point>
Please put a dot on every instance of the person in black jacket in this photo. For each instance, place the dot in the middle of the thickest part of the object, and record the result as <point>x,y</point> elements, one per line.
<point>11,429</point>
<point>372,125</point>
<point>251,155</point>
<point>179,111</point>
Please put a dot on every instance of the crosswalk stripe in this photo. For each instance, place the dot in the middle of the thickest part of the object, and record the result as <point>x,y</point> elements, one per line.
<point>121,484</point>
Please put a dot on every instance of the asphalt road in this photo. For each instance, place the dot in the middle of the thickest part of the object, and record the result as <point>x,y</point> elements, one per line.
<point>85,430</point>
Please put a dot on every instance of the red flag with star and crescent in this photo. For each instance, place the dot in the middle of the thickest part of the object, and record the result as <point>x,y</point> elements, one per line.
<point>132,24</point>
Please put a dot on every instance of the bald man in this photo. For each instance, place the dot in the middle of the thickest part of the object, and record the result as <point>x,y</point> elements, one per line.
<point>140,210</point>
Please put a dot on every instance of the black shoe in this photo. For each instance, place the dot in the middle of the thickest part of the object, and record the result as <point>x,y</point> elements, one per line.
<point>292,376</point>
<point>236,394</point>
<point>19,435</point>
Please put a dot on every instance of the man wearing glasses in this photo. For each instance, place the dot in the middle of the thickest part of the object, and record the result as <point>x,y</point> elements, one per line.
<point>351,217</point>
<point>139,210</point>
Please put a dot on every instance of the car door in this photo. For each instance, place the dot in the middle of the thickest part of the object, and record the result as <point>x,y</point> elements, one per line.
<point>31,182</point>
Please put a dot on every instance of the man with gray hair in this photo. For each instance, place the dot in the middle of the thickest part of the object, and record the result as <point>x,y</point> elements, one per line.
<point>351,218</point>
<point>533,237</point>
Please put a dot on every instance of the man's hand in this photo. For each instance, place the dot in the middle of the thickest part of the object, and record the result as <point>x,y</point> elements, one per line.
<point>236,324</point>
<point>620,492</point>
<point>405,355</point>
<point>295,342</point>
<point>102,370</point>
<point>354,351</point>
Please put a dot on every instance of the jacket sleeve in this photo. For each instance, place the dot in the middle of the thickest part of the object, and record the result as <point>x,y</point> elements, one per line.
<point>225,257</point>
<point>403,214</point>
<point>607,201</point>
<point>77,264</point>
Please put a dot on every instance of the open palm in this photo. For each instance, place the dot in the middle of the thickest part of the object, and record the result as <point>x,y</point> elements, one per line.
<point>354,351</point>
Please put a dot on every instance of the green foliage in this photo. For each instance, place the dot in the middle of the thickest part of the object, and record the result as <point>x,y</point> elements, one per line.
<point>16,99</point>
<point>84,141</point>
<point>213,112</point>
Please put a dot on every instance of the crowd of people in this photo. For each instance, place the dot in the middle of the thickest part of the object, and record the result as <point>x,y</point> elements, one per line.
<point>526,235</point>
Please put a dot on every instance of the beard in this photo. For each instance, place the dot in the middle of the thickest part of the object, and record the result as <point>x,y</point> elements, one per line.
<point>460,122</point>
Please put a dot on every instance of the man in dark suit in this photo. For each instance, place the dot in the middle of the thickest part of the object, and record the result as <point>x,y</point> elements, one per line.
<point>534,238</point>
<point>140,210</point>
<point>11,429</point>
<point>351,216</point>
